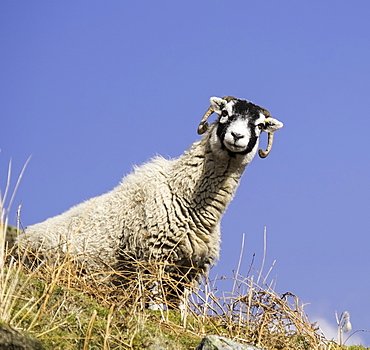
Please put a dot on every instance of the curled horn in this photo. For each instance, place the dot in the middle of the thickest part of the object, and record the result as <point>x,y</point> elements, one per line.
<point>261,152</point>
<point>270,139</point>
<point>203,126</point>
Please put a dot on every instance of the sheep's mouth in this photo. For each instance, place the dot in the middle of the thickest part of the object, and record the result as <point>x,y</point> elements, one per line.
<point>233,147</point>
<point>241,146</point>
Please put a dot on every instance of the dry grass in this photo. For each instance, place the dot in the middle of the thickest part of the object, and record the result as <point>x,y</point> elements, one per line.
<point>57,301</point>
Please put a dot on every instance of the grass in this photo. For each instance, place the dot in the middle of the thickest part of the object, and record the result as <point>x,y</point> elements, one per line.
<point>63,309</point>
<point>63,317</point>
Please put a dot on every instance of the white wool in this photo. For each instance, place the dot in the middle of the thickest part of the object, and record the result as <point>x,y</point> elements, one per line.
<point>165,210</point>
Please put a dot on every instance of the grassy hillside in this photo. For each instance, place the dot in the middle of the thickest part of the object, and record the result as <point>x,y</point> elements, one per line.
<point>59,307</point>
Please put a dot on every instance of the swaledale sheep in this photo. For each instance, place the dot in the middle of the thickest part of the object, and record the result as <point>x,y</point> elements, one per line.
<point>166,210</point>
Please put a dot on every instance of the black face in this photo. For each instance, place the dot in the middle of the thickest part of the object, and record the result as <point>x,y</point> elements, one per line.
<point>243,113</point>
<point>242,107</point>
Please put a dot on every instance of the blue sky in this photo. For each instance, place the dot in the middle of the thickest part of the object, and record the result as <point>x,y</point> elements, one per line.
<point>91,88</point>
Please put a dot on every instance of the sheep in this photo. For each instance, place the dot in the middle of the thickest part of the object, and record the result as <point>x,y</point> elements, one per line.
<point>167,210</point>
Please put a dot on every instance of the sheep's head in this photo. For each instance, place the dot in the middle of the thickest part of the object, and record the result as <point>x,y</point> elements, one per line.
<point>240,124</point>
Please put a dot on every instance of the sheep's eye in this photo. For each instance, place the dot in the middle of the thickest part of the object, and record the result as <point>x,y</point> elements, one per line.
<point>224,113</point>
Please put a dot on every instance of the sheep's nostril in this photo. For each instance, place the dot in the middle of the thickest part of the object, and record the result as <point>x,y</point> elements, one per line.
<point>236,135</point>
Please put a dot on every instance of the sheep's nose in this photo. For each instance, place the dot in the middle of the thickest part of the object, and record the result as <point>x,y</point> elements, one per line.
<point>237,135</point>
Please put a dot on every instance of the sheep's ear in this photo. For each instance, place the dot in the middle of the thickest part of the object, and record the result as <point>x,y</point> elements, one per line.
<point>217,104</point>
<point>272,124</point>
